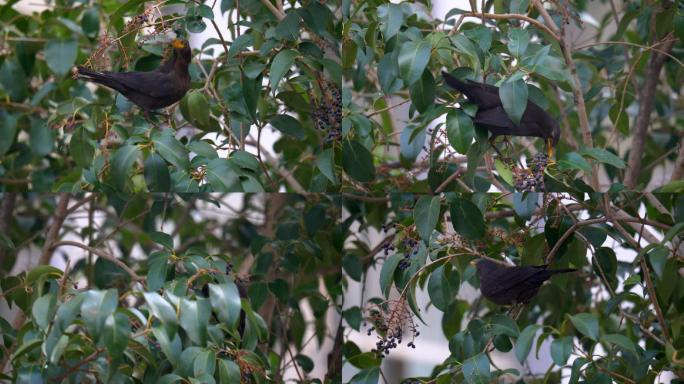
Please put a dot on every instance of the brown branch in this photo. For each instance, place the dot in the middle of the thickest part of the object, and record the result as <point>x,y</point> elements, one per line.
<point>576,91</point>
<point>678,172</point>
<point>53,232</point>
<point>102,254</point>
<point>73,369</point>
<point>275,11</point>
<point>448,180</point>
<point>6,211</point>
<point>507,16</point>
<point>646,105</point>
<point>647,278</point>
<point>570,231</point>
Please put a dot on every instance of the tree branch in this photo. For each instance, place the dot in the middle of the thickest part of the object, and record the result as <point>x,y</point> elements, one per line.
<point>646,105</point>
<point>53,232</point>
<point>102,254</point>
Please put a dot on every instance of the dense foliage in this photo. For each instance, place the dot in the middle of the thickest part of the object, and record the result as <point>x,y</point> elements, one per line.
<point>192,297</point>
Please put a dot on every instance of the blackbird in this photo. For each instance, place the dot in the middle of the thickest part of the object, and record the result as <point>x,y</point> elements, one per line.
<point>508,285</point>
<point>154,89</point>
<point>491,114</point>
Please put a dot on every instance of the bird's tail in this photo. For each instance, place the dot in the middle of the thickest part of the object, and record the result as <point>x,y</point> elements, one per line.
<point>103,78</point>
<point>455,83</point>
<point>566,270</point>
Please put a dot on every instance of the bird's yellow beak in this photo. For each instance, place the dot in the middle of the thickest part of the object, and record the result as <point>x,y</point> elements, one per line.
<point>473,262</point>
<point>178,44</point>
<point>549,149</point>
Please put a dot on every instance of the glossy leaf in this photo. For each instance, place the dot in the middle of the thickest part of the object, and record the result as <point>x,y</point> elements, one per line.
<point>587,324</point>
<point>524,342</point>
<point>514,99</point>
<point>426,215</point>
<point>116,332</point>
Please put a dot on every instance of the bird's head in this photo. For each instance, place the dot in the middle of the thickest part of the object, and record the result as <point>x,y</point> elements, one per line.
<point>181,49</point>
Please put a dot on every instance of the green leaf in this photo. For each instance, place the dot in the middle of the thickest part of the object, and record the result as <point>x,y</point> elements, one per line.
<point>423,92</point>
<point>411,144</point>
<point>573,160</point>
<point>504,172</point>
<point>387,273</point>
<point>517,41</point>
<point>225,300</point>
<point>172,348</point>
<point>561,349</point>
<point>90,23</point>
<point>116,332</point>
<point>245,160</point>
<point>426,216</point>
<point>157,175</point>
<point>587,324</point>
<point>514,99</point>
<point>504,325</point>
<point>325,163</point>
<point>168,147</point>
<point>8,128</point>
<point>13,80</point>
<point>42,137</point>
<point>194,317</point>
<point>467,219</point>
<point>524,342</point>
<point>162,310</point>
<point>122,164</point>
<point>460,130</point>
<point>288,28</point>
<point>367,376</point>
<point>96,307</point>
<point>288,125</point>
<point>357,161</point>
<point>156,274</point>
<point>353,316</point>
<point>229,372</point>
<point>61,55</point>
<point>413,59</point>
<point>41,273</point>
<point>67,312</point>
<point>621,341</point>
<point>80,148</point>
<point>198,108</point>
<point>519,6</point>
<point>603,156</point>
<point>43,310</point>
<point>439,289</point>
<point>391,18</point>
<point>657,257</point>
<point>239,43</point>
<point>204,364</point>
<point>222,176</point>
<point>280,65</point>
<point>576,368</point>
<point>476,369</point>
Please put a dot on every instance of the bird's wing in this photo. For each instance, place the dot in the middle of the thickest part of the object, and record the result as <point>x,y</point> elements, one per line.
<point>478,93</point>
<point>502,280</point>
<point>494,117</point>
<point>153,83</point>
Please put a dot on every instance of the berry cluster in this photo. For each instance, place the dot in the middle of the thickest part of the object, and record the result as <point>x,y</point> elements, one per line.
<point>411,246</point>
<point>327,110</point>
<point>532,180</point>
<point>390,320</point>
